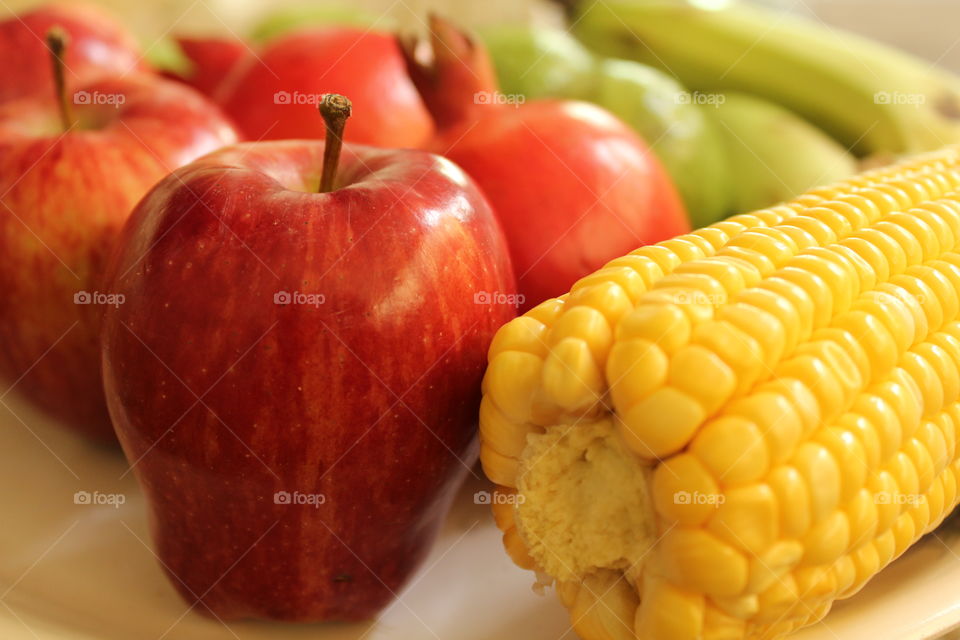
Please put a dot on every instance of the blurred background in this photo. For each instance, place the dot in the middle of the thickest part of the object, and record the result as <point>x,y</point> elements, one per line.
<point>925,27</point>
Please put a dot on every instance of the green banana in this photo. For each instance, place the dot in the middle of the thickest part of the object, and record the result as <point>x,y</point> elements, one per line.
<point>870,97</point>
<point>773,154</point>
<point>540,62</point>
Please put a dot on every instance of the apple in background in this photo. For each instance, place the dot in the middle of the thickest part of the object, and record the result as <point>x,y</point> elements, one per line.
<point>69,177</point>
<point>98,45</point>
<point>572,185</point>
<point>203,63</point>
<point>295,375</point>
<point>274,94</point>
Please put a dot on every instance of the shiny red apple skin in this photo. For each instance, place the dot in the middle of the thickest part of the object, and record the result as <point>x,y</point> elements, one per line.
<point>65,197</point>
<point>212,60</point>
<point>98,45</point>
<point>572,186</point>
<point>367,66</point>
<point>221,398</point>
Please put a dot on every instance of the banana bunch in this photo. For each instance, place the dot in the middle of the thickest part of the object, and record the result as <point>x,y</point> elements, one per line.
<point>772,154</point>
<point>871,98</point>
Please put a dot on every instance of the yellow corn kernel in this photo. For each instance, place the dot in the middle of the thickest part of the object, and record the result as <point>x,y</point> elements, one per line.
<point>846,449</point>
<point>777,600</point>
<point>498,467</point>
<point>668,612</point>
<point>547,311</point>
<point>742,353</point>
<point>571,378</point>
<point>763,327</point>
<point>876,338</point>
<point>662,423</point>
<point>587,324</point>
<point>883,486</point>
<point>511,381</point>
<point>827,540</point>
<point>637,367</point>
<point>783,427</point>
<point>626,278</point>
<point>844,573</point>
<point>861,513</point>
<point>720,626</point>
<point>821,473</point>
<point>931,438</point>
<point>867,438</point>
<point>773,409</point>
<point>741,607</point>
<point>682,488</point>
<point>747,518</point>
<point>664,325</point>
<point>944,370</point>
<point>792,492</point>
<point>698,560</point>
<point>499,433</point>
<point>874,418</point>
<point>601,605</point>
<point>773,565</point>
<point>524,334</point>
<point>701,374</point>
<point>733,449</point>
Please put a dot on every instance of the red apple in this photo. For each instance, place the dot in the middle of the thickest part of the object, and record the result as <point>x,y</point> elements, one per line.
<point>274,94</point>
<point>572,185</point>
<point>210,61</point>
<point>69,178</point>
<point>98,45</point>
<point>295,374</point>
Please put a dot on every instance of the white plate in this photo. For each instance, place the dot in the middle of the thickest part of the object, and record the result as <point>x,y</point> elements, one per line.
<point>84,572</point>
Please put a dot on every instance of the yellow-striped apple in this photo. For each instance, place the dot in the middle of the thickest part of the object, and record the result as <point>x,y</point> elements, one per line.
<point>99,45</point>
<point>69,176</point>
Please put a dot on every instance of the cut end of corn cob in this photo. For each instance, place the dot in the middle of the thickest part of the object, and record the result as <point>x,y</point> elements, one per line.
<point>571,521</point>
<point>720,435</point>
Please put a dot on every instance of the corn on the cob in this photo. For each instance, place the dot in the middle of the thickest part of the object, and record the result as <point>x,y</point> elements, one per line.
<point>719,435</point>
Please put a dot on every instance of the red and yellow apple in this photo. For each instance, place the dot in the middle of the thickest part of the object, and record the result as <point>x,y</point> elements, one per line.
<point>99,45</point>
<point>69,177</point>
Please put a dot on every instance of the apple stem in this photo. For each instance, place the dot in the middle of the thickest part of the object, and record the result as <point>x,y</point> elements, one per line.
<point>57,43</point>
<point>335,110</point>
